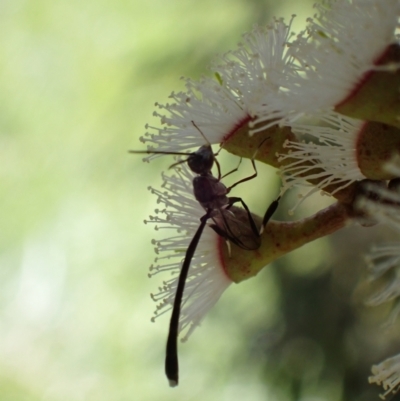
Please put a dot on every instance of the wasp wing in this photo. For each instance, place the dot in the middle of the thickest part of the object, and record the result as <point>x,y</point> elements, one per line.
<point>234,225</point>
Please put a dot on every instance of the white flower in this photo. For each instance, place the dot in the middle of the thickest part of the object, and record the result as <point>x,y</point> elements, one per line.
<point>387,374</point>
<point>246,78</point>
<point>206,104</point>
<point>206,279</point>
<point>383,205</point>
<point>254,71</point>
<point>327,154</point>
<point>340,47</point>
<point>383,258</point>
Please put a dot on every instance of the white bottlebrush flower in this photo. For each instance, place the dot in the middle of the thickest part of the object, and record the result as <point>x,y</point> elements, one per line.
<point>254,71</point>
<point>326,154</point>
<point>246,77</point>
<point>207,106</point>
<point>389,292</point>
<point>206,279</point>
<point>387,375</point>
<point>342,44</point>
<point>383,205</point>
<point>382,258</point>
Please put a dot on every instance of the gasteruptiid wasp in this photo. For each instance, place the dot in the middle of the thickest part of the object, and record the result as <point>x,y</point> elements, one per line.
<point>233,223</point>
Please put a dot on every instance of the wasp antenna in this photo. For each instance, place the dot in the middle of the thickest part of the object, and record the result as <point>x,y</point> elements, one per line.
<point>178,163</point>
<point>158,152</point>
<point>202,134</point>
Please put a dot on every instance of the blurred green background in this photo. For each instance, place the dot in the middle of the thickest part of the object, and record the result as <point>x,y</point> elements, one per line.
<point>78,83</point>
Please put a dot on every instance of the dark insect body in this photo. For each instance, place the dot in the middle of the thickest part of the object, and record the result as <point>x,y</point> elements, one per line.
<point>234,224</point>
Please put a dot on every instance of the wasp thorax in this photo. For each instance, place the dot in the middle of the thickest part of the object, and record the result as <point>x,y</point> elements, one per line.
<point>210,192</point>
